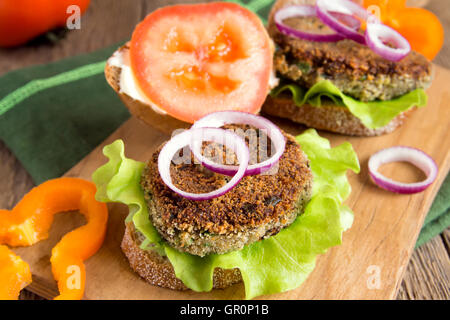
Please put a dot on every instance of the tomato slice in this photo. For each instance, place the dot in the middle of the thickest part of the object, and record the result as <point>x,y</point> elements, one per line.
<point>192,60</point>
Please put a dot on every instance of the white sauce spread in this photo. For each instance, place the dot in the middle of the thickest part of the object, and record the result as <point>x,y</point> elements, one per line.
<point>127,84</point>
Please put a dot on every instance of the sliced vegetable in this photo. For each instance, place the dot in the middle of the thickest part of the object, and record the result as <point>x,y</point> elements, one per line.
<point>420,27</point>
<point>386,42</point>
<point>310,11</point>
<point>198,135</point>
<point>394,154</point>
<point>192,60</point>
<point>15,274</point>
<point>342,16</point>
<point>279,263</point>
<point>32,217</point>
<point>219,119</point>
<point>324,9</point>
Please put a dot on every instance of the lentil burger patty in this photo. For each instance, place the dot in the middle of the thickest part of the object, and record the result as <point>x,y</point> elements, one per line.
<point>258,207</point>
<point>354,68</point>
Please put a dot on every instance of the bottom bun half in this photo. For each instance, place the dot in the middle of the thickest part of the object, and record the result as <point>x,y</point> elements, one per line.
<point>328,117</point>
<point>157,270</point>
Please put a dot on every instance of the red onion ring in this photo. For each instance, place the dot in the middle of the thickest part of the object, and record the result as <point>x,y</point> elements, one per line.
<point>324,10</point>
<point>310,11</point>
<point>378,34</point>
<point>205,134</point>
<point>218,119</point>
<point>414,156</point>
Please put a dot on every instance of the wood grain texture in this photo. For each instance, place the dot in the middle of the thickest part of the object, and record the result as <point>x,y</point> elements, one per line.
<point>427,275</point>
<point>107,22</point>
<point>441,9</point>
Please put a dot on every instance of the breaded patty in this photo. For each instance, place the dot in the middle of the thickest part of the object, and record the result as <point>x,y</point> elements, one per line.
<point>258,207</point>
<point>354,68</point>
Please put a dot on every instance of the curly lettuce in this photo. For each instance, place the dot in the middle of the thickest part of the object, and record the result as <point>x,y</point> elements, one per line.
<point>374,114</point>
<point>279,263</point>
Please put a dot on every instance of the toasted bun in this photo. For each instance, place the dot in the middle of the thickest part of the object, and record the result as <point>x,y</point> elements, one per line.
<point>143,111</point>
<point>328,117</point>
<point>157,270</point>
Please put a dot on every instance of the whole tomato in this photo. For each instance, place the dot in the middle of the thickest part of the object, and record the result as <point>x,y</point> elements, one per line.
<point>22,20</point>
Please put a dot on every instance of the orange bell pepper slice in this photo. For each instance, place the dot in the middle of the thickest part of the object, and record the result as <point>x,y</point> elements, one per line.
<point>32,217</point>
<point>420,27</point>
<point>15,274</point>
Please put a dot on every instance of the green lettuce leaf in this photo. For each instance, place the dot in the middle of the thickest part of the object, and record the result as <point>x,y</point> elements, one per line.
<point>119,181</point>
<point>279,263</point>
<point>374,114</point>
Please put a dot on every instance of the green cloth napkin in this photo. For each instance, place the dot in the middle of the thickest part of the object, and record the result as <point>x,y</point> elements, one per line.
<point>438,218</point>
<point>51,116</point>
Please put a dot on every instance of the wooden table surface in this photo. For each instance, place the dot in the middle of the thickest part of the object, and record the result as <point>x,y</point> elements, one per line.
<point>106,23</point>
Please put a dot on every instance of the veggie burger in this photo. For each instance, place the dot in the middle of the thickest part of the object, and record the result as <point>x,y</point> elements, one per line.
<point>232,198</point>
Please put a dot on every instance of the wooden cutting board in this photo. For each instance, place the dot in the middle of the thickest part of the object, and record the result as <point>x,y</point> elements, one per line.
<point>368,265</point>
